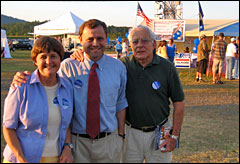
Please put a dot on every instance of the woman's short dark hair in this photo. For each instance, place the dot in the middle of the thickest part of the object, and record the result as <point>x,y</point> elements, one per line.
<point>92,23</point>
<point>47,44</point>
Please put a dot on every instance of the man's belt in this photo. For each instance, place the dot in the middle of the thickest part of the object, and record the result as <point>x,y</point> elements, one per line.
<point>147,129</point>
<point>100,135</point>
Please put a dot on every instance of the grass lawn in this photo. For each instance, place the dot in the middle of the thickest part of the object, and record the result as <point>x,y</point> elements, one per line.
<point>210,131</point>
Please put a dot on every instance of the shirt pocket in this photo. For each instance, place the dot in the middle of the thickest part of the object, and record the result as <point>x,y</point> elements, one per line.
<point>66,111</point>
<point>109,99</point>
<point>109,89</point>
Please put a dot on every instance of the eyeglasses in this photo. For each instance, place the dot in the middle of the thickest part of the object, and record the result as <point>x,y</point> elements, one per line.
<point>143,41</point>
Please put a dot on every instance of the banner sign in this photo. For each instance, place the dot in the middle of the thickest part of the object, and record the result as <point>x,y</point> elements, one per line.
<point>182,62</point>
<point>165,29</point>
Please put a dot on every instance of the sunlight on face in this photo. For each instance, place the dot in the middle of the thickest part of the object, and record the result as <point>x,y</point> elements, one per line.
<point>142,44</point>
<point>94,42</point>
<point>48,63</point>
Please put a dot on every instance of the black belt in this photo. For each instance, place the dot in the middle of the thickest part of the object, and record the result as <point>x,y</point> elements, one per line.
<point>147,129</point>
<point>100,135</point>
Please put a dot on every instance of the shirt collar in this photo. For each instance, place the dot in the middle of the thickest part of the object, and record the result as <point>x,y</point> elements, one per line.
<point>156,60</point>
<point>35,79</point>
<point>90,62</point>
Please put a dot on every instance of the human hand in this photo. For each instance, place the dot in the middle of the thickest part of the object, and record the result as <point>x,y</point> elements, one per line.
<point>78,55</point>
<point>170,144</point>
<point>66,156</point>
<point>19,78</point>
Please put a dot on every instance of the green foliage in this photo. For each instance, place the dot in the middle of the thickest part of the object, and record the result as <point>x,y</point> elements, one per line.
<point>114,32</point>
<point>21,29</point>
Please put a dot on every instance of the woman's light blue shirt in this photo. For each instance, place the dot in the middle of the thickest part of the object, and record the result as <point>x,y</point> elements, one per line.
<point>112,78</point>
<point>26,110</point>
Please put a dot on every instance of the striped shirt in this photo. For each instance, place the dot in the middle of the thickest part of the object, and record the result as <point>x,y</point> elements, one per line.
<point>220,47</point>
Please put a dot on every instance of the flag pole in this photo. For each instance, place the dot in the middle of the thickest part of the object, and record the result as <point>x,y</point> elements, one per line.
<point>198,23</point>
<point>136,16</point>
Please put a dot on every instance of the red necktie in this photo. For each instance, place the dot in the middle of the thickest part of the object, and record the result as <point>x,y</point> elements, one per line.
<point>93,103</point>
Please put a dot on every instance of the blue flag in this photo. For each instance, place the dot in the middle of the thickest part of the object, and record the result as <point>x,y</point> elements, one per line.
<point>201,26</point>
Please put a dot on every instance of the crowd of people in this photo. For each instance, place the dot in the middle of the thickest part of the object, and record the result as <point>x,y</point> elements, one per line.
<point>221,53</point>
<point>95,108</point>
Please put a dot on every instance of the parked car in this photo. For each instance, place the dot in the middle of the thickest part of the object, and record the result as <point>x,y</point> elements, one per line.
<point>22,45</point>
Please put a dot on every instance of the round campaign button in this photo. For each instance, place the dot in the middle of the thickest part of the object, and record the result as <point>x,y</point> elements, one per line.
<point>78,83</point>
<point>55,101</point>
<point>156,85</point>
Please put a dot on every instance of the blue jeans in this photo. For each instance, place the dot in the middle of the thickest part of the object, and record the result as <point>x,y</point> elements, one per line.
<point>230,61</point>
<point>236,69</point>
<point>119,53</point>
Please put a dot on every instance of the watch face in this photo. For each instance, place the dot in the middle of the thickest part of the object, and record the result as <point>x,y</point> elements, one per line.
<point>69,144</point>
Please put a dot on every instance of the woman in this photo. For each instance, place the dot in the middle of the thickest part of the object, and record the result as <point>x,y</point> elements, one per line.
<point>171,48</point>
<point>37,115</point>
<point>162,50</point>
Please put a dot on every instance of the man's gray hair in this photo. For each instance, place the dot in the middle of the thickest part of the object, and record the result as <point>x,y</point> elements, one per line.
<point>152,35</point>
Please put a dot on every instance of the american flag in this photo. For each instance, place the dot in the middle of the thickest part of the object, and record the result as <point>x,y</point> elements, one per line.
<point>141,14</point>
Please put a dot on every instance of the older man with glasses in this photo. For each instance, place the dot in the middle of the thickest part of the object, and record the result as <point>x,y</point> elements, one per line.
<point>151,81</point>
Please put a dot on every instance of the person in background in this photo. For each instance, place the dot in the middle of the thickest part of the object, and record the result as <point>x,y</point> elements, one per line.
<point>158,47</point>
<point>162,49</point>
<point>219,48</point>
<point>118,49</point>
<point>186,50</point>
<point>125,47</point>
<point>70,44</point>
<point>152,82</point>
<point>171,48</point>
<point>231,54</point>
<point>236,66</point>
<point>202,58</point>
<point>10,44</point>
<point>37,115</point>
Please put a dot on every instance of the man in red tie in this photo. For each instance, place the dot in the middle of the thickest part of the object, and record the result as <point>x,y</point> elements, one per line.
<point>99,84</point>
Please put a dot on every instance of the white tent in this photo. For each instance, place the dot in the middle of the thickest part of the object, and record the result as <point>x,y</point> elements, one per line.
<point>65,24</point>
<point>4,43</point>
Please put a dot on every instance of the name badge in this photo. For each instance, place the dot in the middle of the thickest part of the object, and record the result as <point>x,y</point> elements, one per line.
<point>156,85</point>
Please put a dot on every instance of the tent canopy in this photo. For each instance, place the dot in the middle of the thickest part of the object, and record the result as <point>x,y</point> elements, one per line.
<point>65,24</point>
<point>231,30</point>
<point>210,26</point>
<point>4,43</point>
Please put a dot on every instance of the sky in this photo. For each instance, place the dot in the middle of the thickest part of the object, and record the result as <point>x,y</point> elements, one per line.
<point>117,13</point>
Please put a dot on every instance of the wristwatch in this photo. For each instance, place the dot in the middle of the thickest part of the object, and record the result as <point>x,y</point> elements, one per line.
<point>69,145</point>
<point>174,137</point>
